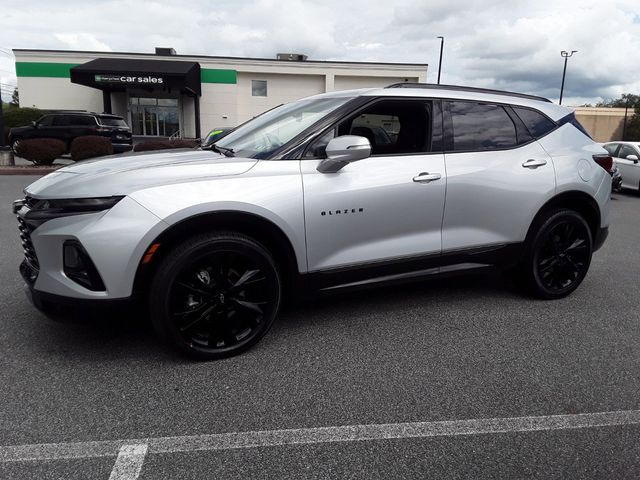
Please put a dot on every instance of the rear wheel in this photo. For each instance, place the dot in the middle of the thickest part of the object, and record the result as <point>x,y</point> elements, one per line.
<point>557,256</point>
<point>216,295</point>
<point>14,145</point>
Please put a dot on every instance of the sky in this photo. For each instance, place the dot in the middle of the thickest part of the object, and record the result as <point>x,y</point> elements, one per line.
<point>506,44</point>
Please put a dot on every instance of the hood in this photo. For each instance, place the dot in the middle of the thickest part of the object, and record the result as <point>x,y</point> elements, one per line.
<point>124,174</point>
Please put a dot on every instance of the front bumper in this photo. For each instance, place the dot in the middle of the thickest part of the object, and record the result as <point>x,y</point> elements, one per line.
<point>115,240</point>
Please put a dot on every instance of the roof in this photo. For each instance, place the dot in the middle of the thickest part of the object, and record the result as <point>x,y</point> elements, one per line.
<point>182,57</point>
<point>455,92</point>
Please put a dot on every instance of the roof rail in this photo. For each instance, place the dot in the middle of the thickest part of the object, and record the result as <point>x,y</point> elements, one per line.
<point>460,88</point>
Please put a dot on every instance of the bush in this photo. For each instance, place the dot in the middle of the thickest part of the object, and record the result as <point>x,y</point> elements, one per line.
<point>163,145</point>
<point>42,151</point>
<point>90,146</point>
<point>21,117</point>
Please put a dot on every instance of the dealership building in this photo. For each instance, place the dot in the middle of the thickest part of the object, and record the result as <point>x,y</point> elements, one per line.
<point>166,94</point>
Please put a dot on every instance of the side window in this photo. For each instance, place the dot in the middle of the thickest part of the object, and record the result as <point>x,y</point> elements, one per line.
<point>478,126</point>
<point>61,120</point>
<point>318,149</point>
<point>45,121</point>
<point>626,150</point>
<point>611,148</point>
<point>537,124</point>
<point>80,120</point>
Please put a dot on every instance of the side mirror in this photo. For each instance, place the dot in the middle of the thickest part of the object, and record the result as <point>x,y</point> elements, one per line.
<point>633,157</point>
<point>343,150</point>
<point>34,124</point>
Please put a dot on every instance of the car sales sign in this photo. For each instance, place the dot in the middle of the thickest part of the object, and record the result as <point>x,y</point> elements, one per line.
<point>129,79</point>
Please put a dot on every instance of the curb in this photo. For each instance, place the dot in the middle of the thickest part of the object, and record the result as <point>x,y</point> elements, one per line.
<point>26,170</point>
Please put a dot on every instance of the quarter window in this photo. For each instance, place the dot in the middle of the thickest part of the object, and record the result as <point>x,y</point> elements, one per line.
<point>258,88</point>
<point>478,126</point>
<point>537,124</point>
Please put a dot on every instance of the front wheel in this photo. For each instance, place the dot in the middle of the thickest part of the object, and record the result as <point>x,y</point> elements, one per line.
<point>557,256</point>
<point>15,143</point>
<point>216,295</point>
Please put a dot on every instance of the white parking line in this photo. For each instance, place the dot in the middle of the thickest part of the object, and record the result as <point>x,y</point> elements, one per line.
<point>129,462</point>
<point>351,433</point>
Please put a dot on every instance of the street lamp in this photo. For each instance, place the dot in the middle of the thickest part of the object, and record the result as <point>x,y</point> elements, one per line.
<point>566,56</point>
<point>440,62</point>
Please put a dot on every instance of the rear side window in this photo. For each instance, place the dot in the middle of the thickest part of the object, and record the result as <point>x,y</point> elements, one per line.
<point>478,126</point>
<point>537,124</point>
<point>81,120</point>
<point>61,121</point>
<point>112,122</point>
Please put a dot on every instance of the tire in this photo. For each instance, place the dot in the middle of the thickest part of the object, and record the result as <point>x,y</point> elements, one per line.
<point>215,295</point>
<point>557,256</point>
<point>14,145</point>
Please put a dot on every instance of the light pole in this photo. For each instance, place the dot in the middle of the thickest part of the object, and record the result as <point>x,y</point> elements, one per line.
<point>566,56</point>
<point>440,62</point>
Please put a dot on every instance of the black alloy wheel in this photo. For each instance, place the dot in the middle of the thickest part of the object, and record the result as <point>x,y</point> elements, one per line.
<point>14,145</point>
<point>216,295</point>
<point>559,256</point>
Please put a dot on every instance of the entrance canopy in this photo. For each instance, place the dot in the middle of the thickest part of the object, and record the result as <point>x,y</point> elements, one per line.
<point>118,74</point>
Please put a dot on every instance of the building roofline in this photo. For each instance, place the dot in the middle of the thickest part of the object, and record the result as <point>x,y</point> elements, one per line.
<point>214,57</point>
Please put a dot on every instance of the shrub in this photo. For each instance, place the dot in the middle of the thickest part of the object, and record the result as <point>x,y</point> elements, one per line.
<point>42,151</point>
<point>90,146</point>
<point>21,117</point>
<point>163,145</point>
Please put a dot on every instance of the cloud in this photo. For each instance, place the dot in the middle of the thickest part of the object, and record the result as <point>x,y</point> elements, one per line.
<point>510,44</point>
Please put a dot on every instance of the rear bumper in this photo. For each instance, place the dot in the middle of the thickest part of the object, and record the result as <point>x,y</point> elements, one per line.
<point>600,237</point>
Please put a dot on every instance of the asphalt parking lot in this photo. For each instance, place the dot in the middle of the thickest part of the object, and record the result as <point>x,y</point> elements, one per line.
<point>463,349</point>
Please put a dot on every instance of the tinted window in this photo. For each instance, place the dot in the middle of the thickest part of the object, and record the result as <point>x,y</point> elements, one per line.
<point>61,120</point>
<point>79,120</point>
<point>45,121</point>
<point>477,126</point>
<point>611,148</point>
<point>112,122</point>
<point>537,124</point>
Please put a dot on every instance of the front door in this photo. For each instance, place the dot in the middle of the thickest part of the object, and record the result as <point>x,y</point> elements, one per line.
<point>386,207</point>
<point>629,167</point>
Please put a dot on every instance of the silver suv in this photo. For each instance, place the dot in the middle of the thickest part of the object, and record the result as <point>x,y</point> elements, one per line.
<point>340,190</point>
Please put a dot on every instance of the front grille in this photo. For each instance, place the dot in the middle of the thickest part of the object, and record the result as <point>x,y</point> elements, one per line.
<point>25,237</point>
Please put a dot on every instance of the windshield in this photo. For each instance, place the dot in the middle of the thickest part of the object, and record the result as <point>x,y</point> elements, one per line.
<point>262,136</point>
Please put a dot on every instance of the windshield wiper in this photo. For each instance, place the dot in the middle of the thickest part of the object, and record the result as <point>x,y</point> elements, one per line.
<point>227,152</point>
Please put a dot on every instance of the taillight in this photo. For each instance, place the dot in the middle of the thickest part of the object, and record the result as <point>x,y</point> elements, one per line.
<point>605,161</point>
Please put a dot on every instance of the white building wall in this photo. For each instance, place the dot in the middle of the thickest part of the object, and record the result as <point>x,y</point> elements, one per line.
<point>280,89</point>
<point>58,94</point>
<point>218,106</point>
<point>348,82</point>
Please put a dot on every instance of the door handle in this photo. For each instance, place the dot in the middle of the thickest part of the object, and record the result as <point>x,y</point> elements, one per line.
<point>426,177</point>
<point>534,163</point>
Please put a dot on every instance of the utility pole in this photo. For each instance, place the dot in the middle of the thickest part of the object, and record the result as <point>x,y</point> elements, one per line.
<point>1,123</point>
<point>440,62</point>
<point>566,56</point>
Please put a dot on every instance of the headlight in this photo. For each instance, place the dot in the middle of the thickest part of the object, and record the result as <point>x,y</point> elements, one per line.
<point>44,210</point>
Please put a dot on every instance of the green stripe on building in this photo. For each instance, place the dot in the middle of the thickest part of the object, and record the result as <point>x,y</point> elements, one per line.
<point>61,70</point>
<point>41,69</point>
<point>214,75</point>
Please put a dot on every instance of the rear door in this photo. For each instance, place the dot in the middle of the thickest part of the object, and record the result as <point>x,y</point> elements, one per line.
<point>497,174</point>
<point>629,167</point>
<point>383,209</point>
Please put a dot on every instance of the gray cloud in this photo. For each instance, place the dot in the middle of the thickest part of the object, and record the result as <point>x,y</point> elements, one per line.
<point>509,44</point>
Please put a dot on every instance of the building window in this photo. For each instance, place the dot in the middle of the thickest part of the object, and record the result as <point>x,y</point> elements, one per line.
<point>258,88</point>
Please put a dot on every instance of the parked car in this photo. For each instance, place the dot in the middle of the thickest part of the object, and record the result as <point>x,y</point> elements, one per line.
<point>293,202</point>
<point>67,126</point>
<point>626,155</point>
<point>215,135</point>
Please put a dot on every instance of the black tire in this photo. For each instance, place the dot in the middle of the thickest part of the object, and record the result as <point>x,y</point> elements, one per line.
<point>557,255</point>
<point>14,145</point>
<point>215,295</point>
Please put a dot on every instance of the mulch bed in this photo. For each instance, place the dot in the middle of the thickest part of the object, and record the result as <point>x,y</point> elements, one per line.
<point>28,169</point>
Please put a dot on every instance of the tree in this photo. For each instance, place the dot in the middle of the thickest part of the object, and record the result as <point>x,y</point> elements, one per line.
<point>15,99</point>
<point>630,101</point>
